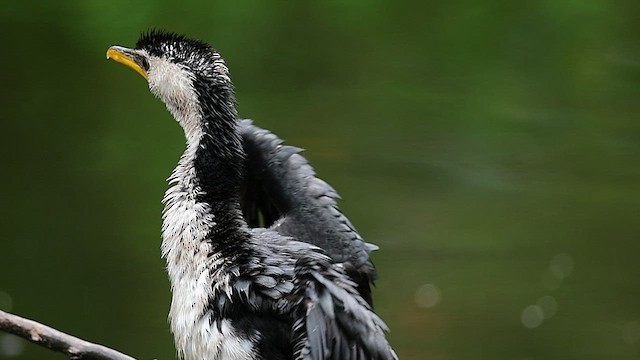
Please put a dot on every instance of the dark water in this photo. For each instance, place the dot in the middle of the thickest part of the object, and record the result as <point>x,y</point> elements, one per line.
<point>491,150</point>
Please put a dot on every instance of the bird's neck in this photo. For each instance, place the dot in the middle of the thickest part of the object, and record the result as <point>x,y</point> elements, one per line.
<point>203,229</point>
<point>202,202</point>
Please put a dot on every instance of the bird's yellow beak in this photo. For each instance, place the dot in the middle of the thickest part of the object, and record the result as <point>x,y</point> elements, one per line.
<point>126,57</point>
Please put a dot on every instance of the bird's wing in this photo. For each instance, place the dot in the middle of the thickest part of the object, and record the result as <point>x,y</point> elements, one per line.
<point>283,281</point>
<point>282,191</point>
<point>332,321</point>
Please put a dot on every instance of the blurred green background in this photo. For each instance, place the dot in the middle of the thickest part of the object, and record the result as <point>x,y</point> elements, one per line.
<point>490,148</point>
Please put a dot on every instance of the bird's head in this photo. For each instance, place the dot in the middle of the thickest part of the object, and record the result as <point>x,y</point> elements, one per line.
<point>184,73</point>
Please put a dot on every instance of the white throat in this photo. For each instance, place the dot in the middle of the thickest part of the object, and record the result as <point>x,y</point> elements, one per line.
<point>173,84</point>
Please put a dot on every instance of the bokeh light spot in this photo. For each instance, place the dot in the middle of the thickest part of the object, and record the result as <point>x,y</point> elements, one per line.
<point>532,316</point>
<point>427,296</point>
<point>561,266</point>
<point>11,345</point>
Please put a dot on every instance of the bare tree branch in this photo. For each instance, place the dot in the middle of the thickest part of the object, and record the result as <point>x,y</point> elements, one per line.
<point>76,349</point>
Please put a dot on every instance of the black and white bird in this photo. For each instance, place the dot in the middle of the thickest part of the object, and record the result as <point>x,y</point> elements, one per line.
<point>262,263</point>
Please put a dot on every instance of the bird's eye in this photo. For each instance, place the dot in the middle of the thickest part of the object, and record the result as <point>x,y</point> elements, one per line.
<point>145,64</point>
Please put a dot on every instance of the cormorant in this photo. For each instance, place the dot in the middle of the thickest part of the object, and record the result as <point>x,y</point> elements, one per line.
<point>241,292</point>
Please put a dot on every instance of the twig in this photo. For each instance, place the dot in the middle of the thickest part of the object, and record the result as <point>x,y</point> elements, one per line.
<point>76,349</point>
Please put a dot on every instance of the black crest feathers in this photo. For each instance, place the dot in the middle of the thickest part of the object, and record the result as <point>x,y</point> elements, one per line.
<point>164,43</point>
